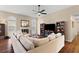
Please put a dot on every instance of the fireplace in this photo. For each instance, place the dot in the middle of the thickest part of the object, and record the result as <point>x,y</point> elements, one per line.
<point>25,30</point>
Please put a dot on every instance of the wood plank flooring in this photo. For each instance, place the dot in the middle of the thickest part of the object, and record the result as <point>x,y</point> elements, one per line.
<point>5,46</point>
<point>73,47</point>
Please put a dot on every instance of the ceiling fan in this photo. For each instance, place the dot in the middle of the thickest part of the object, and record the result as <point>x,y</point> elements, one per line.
<point>39,11</point>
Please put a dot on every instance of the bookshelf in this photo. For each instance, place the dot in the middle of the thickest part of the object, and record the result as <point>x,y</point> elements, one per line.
<point>60,27</point>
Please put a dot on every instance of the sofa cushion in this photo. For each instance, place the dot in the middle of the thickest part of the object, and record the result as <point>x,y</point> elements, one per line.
<point>38,41</point>
<point>26,43</point>
<point>41,41</point>
<point>51,36</point>
<point>58,35</point>
<point>32,39</point>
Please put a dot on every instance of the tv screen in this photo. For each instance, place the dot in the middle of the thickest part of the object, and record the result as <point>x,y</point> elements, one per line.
<point>50,27</point>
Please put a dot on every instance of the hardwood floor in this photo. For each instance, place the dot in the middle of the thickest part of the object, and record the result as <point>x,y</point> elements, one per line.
<point>5,46</point>
<point>72,47</point>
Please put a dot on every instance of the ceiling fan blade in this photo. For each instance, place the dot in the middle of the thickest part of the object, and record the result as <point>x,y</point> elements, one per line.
<point>42,11</point>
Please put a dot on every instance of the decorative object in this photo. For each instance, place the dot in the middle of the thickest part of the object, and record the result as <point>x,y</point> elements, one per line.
<point>24,23</point>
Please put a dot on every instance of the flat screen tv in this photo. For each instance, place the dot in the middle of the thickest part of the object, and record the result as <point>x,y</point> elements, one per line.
<point>50,27</point>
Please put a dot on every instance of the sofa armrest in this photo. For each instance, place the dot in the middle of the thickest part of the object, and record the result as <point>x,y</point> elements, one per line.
<point>17,47</point>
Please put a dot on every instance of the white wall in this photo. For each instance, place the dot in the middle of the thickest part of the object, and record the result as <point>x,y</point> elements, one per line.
<point>33,26</point>
<point>72,27</point>
<point>78,27</point>
<point>77,21</point>
<point>39,21</point>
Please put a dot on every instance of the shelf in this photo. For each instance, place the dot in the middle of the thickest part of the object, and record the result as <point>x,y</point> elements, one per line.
<point>60,27</point>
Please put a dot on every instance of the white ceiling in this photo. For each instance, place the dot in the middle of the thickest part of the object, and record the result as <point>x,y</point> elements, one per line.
<point>27,9</point>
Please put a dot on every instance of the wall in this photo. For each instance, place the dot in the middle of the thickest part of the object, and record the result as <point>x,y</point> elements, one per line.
<point>63,15</point>
<point>78,26</point>
<point>72,28</point>
<point>76,17</point>
<point>39,21</point>
<point>5,15</point>
<point>33,26</point>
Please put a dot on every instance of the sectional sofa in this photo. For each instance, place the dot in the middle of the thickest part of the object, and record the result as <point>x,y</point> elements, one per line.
<point>50,44</point>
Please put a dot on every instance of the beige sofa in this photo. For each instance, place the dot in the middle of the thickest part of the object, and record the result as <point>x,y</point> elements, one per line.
<point>53,46</point>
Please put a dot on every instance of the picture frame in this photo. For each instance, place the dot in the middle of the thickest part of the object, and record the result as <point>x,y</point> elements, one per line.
<point>24,23</point>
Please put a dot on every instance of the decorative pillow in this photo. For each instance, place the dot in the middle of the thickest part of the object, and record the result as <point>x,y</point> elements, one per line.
<point>37,41</point>
<point>51,36</point>
<point>26,43</point>
<point>31,39</point>
<point>58,35</point>
<point>13,37</point>
<point>27,35</point>
<point>41,41</point>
